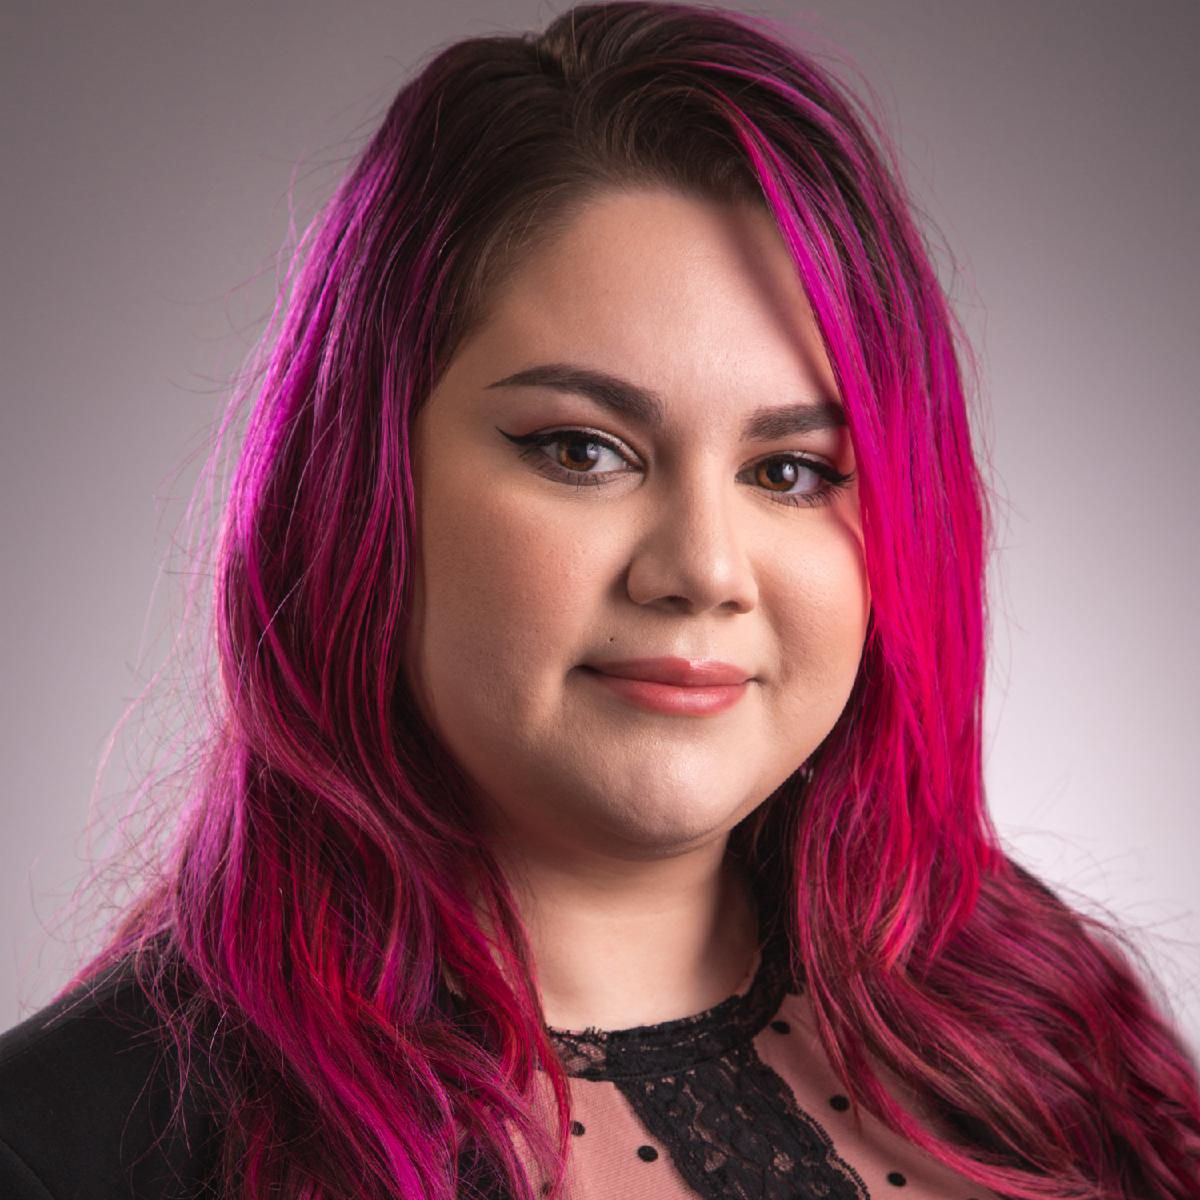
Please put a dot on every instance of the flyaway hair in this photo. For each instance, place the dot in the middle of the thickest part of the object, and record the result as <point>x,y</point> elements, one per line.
<point>329,874</point>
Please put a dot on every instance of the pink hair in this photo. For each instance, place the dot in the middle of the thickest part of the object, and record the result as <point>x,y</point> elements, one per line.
<point>327,864</point>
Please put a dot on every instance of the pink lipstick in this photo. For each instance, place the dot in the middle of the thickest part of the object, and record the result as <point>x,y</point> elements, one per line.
<point>678,686</point>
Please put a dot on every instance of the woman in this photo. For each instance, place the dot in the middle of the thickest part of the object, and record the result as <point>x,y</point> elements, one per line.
<point>596,804</point>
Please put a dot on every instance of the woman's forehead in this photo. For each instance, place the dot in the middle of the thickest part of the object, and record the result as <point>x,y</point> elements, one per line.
<point>686,297</point>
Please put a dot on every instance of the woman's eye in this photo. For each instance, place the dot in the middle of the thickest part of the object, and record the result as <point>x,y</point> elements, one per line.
<point>576,450</point>
<point>577,456</point>
<point>782,473</point>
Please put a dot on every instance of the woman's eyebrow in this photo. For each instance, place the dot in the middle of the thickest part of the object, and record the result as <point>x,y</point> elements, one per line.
<point>640,404</point>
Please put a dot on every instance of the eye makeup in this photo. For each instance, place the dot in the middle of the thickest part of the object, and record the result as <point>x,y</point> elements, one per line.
<point>778,467</point>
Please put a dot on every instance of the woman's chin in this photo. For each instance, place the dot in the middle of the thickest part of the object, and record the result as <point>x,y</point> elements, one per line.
<point>647,826</point>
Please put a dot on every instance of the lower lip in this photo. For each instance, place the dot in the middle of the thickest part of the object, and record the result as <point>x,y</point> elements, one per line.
<point>703,701</point>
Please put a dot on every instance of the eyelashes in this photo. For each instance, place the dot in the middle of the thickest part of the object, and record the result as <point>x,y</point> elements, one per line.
<point>789,467</point>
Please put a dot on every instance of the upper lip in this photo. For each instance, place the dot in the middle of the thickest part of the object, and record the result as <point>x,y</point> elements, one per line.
<point>683,672</point>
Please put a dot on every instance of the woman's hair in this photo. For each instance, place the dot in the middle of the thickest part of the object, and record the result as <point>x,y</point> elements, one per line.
<point>328,867</point>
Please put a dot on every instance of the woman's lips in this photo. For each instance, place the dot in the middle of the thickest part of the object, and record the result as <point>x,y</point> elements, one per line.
<point>683,672</point>
<point>697,700</point>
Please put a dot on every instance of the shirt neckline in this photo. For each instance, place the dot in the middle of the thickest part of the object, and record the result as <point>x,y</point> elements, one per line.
<point>668,1047</point>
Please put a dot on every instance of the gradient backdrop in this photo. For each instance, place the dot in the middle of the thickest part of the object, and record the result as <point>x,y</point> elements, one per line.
<point>149,149</point>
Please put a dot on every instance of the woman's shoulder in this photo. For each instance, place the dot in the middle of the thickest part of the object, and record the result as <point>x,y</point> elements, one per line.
<point>88,1097</point>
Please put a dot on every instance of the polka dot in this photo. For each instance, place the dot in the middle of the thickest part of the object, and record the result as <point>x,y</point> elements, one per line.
<point>577,1129</point>
<point>647,1153</point>
<point>839,1102</point>
<point>896,1179</point>
<point>781,1027</point>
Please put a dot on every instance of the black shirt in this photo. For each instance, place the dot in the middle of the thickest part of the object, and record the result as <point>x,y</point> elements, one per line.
<point>87,1091</point>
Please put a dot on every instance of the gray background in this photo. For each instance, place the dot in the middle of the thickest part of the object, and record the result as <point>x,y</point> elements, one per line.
<point>149,150</point>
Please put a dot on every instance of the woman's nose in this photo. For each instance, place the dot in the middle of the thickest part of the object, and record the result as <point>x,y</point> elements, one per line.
<point>692,555</point>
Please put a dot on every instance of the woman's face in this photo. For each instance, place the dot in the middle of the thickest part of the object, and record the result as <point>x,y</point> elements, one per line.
<point>676,521</point>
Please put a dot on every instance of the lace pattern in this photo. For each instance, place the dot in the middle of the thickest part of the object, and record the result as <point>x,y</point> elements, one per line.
<point>730,1123</point>
<point>734,1131</point>
<point>672,1046</point>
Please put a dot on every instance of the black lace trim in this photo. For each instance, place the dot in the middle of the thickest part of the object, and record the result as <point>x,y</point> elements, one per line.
<point>731,1125</point>
<point>735,1132</point>
<point>648,1051</point>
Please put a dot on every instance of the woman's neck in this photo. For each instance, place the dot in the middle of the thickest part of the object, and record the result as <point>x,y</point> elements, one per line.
<point>618,944</point>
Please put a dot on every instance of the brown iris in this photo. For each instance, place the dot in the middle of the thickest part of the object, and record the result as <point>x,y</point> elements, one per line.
<point>774,471</point>
<point>588,451</point>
